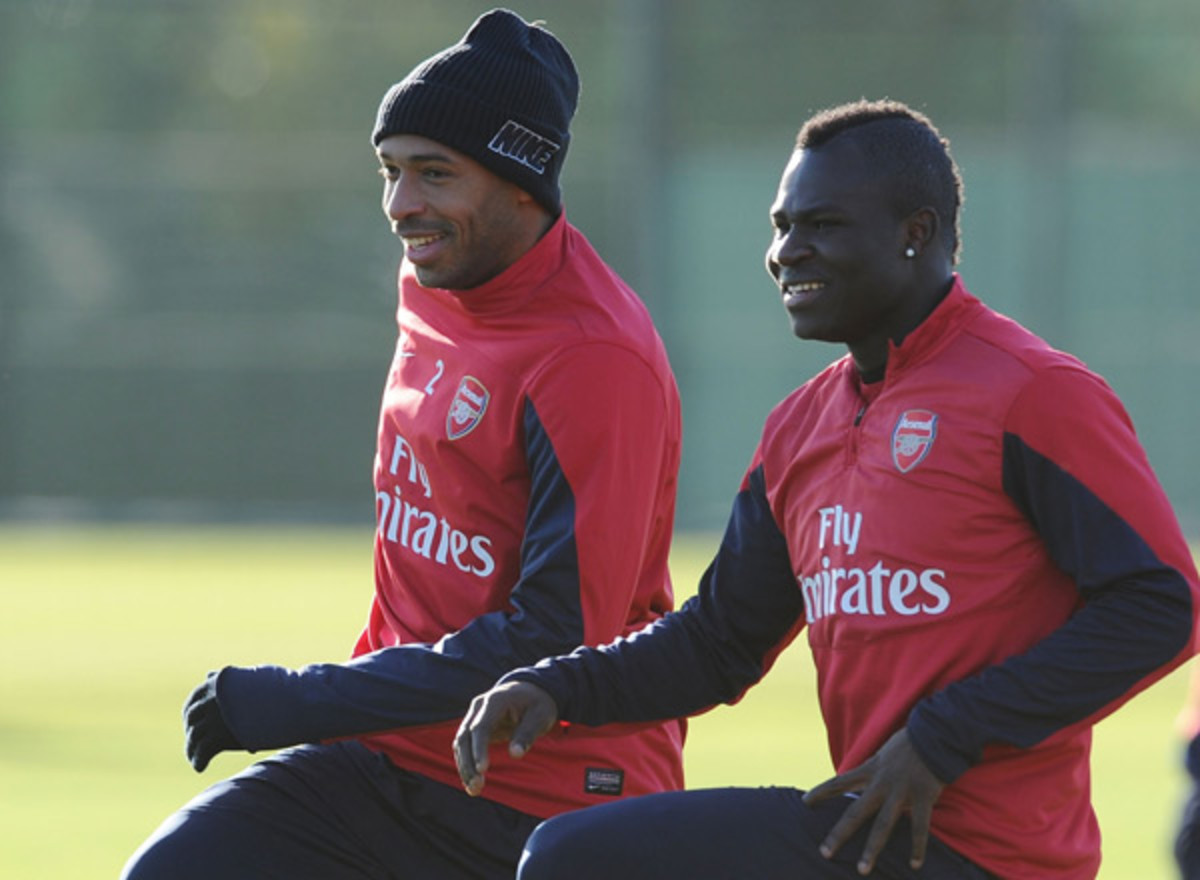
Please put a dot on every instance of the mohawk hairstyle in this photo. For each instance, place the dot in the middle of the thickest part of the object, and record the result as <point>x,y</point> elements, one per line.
<point>905,147</point>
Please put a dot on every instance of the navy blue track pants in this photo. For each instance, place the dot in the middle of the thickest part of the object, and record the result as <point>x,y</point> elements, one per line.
<point>1187,840</point>
<point>333,812</point>
<point>719,834</point>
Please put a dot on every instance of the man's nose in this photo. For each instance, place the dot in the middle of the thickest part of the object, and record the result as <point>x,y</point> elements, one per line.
<point>401,198</point>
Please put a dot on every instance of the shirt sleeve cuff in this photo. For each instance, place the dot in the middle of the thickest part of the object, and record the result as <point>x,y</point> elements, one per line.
<point>934,742</point>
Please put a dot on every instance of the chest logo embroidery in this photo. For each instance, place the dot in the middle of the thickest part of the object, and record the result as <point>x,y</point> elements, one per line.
<point>912,438</point>
<point>467,408</point>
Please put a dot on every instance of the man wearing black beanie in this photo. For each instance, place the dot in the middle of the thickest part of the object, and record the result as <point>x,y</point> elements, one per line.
<point>524,486</point>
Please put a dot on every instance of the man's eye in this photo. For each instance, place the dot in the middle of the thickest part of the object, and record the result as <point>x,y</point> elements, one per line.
<point>389,172</point>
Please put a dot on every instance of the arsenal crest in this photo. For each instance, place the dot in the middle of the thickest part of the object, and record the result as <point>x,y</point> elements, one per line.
<point>912,438</point>
<point>467,408</point>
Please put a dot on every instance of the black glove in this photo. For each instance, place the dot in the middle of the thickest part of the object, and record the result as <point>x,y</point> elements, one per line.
<point>206,730</point>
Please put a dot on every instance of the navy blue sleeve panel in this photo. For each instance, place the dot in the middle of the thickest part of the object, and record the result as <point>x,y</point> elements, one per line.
<point>723,639</point>
<point>414,684</point>
<point>1136,618</point>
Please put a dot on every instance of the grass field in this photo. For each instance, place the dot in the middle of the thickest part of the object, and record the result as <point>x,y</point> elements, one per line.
<point>103,631</point>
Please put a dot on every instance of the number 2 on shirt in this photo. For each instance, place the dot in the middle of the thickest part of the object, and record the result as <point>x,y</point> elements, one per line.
<point>440,368</point>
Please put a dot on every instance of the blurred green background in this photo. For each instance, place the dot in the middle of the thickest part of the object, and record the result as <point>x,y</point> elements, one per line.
<point>197,289</point>
<point>197,284</point>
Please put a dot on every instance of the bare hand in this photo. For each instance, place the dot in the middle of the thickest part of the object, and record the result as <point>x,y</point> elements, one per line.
<point>516,711</point>
<point>894,781</point>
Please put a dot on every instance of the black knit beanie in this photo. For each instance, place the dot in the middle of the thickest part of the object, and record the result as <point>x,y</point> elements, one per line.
<point>503,95</point>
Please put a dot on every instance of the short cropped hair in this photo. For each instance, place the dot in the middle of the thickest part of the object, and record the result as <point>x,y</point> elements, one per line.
<point>904,146</point>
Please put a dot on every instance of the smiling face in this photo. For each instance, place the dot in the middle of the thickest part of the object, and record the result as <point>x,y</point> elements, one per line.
<point>838,253</point>
<point>461,224</point>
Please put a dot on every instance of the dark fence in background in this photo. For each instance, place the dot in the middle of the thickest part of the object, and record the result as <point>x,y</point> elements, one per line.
<point>197,287</point>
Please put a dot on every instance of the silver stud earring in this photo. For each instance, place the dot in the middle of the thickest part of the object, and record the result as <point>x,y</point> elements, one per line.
<point>909,253</point>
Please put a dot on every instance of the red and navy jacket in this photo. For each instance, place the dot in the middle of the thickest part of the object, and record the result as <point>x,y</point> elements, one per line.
<point>978,550</point>
<point>525,478</point>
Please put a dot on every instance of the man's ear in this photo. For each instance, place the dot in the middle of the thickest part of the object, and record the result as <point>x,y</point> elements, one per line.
<point>921,229</point>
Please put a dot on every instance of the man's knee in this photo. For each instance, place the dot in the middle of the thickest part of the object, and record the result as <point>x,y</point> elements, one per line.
<point>187,846</point>
<point>160,857</point>
<point>145,864</point>
<point>551,852</point>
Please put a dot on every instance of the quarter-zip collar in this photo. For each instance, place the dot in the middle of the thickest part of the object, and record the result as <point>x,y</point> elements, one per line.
<point>934,333</point>
<point>929,337</point>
